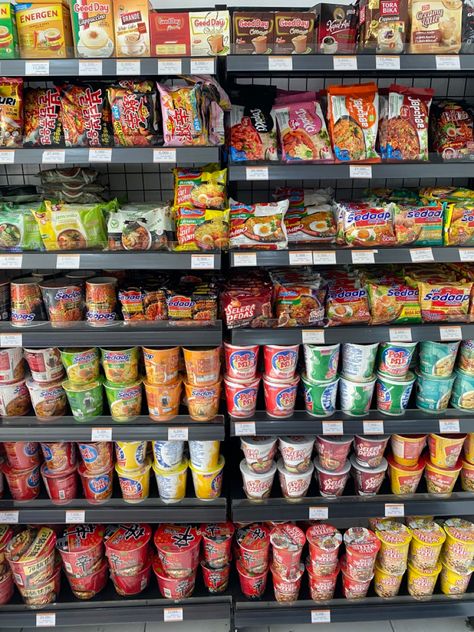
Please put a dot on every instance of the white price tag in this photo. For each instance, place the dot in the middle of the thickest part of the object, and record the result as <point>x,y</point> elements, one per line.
<point>360,171</point>
<point>280,63</point>
<point>68,262</point>
<point>172,614</point>
<point>74,516</point>
<point>245,429</point>
<point>320,616</point>
<point>246,259</point>
<point>164,155</point>
<point>90,67</point>
<point>373,427</point>
<point>170,67</point>
<point>9,517</point>
<point>256,173</point>
<point>128,67</point>
<point>466,254</point>
<point>324,258</point>
<point>363,256</point>
<point>448,62</point>
<point>419,255</point>
<point>100,155</point>
<point>389,62</point>
<point>202,262</point>
<point>101,434</point>
<point>177,434</point>
<point>203,66</point>
<point>312,336</point>
<point>318,513</point>
<point>333,428</point>
<point>45,619</point>
<point>7,156</point>
<point>345,62</point>
<point>37,68</point>
<point>54,157</point>
<point>449,425</point>
<point>301,258</point>
<point>11,340</point>
<point>450,333</point>
<point>403,334</point>
<point>393,510</point>
<point>11,262</point>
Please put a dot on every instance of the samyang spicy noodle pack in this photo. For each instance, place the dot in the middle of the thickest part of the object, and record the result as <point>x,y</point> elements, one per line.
<point>85,115</point>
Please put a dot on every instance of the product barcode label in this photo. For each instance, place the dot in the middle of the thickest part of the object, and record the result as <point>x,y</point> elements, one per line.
<point>418,255</point>
<point>177,434</point>
<point>466,254</point>
<point>301,258</point>
<point>256,173</point>
<point>449,425</point>
<point>11,262</point>
<point>53,157</point>
<point>280,63</point>
<point>363,256</point>
<point>90,67</point>
<point>170,67</point>
<point>373,427</point>
<point>333,427</point>
<point>203,66</point>
<point>7,156</point>
<point>401,334</point>
<point>9,517</point>
<point>393,510</point>
<point>448,62</point>
<point>360,171</point>
<point>164,155</point>
<point>244,429</point>
<point>245,259</point>
<point>202,262</point>
<point>101,434</point>
<point>324,258</point>
<point>37,68</point>
<point>128,67</point>
<point>11,340</point>
<point>450,333</point>
<point>100,155</point>
<point>68,262</point>
<point>345,62</point>
<point>172,614</point>
<point>45,619</point>
<point>318,513</point>
<point>312,336</point>
<point>387,62</point>
<point>320,616</point>
<point>74,516</point>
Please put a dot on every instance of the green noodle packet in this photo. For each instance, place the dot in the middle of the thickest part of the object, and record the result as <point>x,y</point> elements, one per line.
<point>18,229</point>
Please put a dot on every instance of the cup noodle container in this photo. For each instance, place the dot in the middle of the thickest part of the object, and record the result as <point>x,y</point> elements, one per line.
<point>257,486</point>
<point>81,548</point>
<point>85,400</point>
<point>322,587</point>
<point>362,547</point>
<point>163,399</point>
<point>452,582</point>
<point>253,542</point>
<point>173,587</point>
<point>252,585</point>
<point>421,583</point>
<point>134,484</point>
<point>241,397</point>
<point>30,555</point>
<point>167,455</point>
<point>171,483</point>
<point>127,585</point>
<point>96,456</point>
<point>6,534</point>
<point>395,541</point>
<point>59,456</point>
<point>203,366</point>
<point>280,396</point>
<point>296,452</point>
<point>131,455</point>
<point>445,449</point>
<point>458,550</point>
<point>321,362</point>
<point>368,480</point>
<point>426,544</point>
<point>60,486</point>
<point>466,356</point>
<point>125,400</point>
<point>161,365</point>
<point>437,358</point>
<point>433,393</point>
<point>22,455</point>
<point>14,399</point>
<point>320,397</point>
<point>101,301</point>
<point>358,361</point>
<point>204,455</point>
<point>294,485</point>
<point>407,449</point>
<point>404,479</point>
<point>203,401</point>
<point>280,362</point>
<point>216,580</point>
<point>178,549</point>
<point>208,484</point>
<point>12,367</point>
<point>44,593</point>
<point>216,544</point>
<point>440,480</point>
<point>395,358</point>
<point>324,541</point>
<point>331,484</point>
<point>259,453</point>
<point>90,585</point>
<point>333,451</point>
<point>6,587</point>
<point>120,365</point>
<point>386,584</point>
<point>369,450</point>
<point>467,476</point>
<point>241,362</point>
<point>393,394</point>
<point>287,542</point>
<point>353,588</point>
<point>468,448</point>
<point>23,484</point>
<point>286,588</point>
<point>356,397</point>
<point>82,365</point>
<point>462,395</point>
<point>127,547</point>
<point>97,486</point>
<point>45,364</point>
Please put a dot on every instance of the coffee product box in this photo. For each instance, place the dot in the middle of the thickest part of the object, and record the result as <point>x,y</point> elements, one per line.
<point>294,33</point>
<point>132,30</point>
<point>44,30</point>
<point>8,35</point>
<point>253,32</point>
<point>337,28</point>
<point>93,27</point>
<point>210,33</point>
<point>169,33</point>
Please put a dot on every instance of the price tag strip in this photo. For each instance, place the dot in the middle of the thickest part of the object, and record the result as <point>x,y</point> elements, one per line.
<point>9,517</point>
<point>54,157</point>
<point>172,614</point>
<point>256,173</point>
<point>280,63</point>
<point>45,619</point>
<point>90,67</point>
<point>245,259</point>
<point>373,427</point>
<point>402,334</point>
<point>11,262</point>
<point>450,333</point>
<point>320,616</point>
<point>7,156</point>
<point>245,429</point>
<point>393,510</point>
<point>363,256</point>
<point>333,427</point>
<point>74,516</point>
<point>178,434</point>
<point>203,66</point>
<point>449,425</point>
<point>100,155</point>
<point>421,255</point>
<point>68,262</point>
<point>345,62</point>
<point>312,336</point>
<point>301,258</point>
<point>170,67</point>
<point>360,171</point>
<point>164,155</point>
<point>324,258</point>
<point>318,513</point>
<point>202,262</point>
<point>101,434</point>
<point>11,340</point>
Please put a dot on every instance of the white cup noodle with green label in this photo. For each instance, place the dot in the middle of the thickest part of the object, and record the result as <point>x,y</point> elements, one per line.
<point>358,361</point>
<point>321,361</point>
<point>320,396</point>
<point>393,395</point>
<point>356,397</point>
<point>463,391</point>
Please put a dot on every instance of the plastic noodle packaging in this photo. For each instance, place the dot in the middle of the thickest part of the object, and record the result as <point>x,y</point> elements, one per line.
<point>18,229</point>
<point>200,188</point>
<point>140,227</point>
<point>85,115</point>
<point>134,113</point>
<point>201,229</point>
<point>43,126</point>
<point>11,112</point>
<point>452,127</point>
<point>259,226</point>
<point>362,224</point>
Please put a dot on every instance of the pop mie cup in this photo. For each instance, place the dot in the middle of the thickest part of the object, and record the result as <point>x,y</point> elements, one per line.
<point>130,455</point>
<point>6,587</point>
<point>203,366</point>
<point>294,485</point>
<point>369,450</point>
<point>393,394</point>
<point>22,455</point>
<point>280,362</point>
<point>97,486</point>
<point>204,455</point>
<point>12,367</point>
<point>356,397</point>
<point>466,356</point>
<point>49,400</point>
<point>333,451</point>
<point>208,484</point>
<point>90,585</point>
<point>85,400</point>
<point>296,452</point>
<point>216,580</point>
<point>280,396</point>
<point>407,449</point>
<point>433,393</point>
<point>440,480</point>
<point>453,582</point>
<point>358,361</point>
<point>395,541</point>
<point>468,447</point>
<point>178,549</point>
<point>352,587</point>
<point>320,397</point>
<point>368,480</point>
<point>467,476</point>
<point>458,550</point>
<point>324,542</point>
<point>60,486</point>
<point>321,362</point>
<point>81,548</point>
<point>286,589</point>
<point>127,585</point>
<point>163,399</point>
<point>426,544</point>
<point>172,587</point>
<point>59,456</point>
<point>203,401</point>
<point>404,479</point>
<point>167,455</point>
<point>437,358</point>
<point>253,542</point>
<point>127,547</point>
<point>287,542</point>
<point>241,397</point>
<point>45,364</point>
<point>217,543</point>
<point>134,484</point>
<point>259,453</point>
<point>252,585</point>
<point>331,484</point>
<point>161,364</point>
<point>120,365</point>
<point>241,362</point>
<point>421,583</point>
<point>395,358</point>
<point>171,483</point>
<point>445,449</point>
<point>30,554</point>
<point>125,400</point>
<point>386,584</point>
<point>362,547</point>
<point>97,455</point>
<point>23,484</point>
<point>82,365</point>
<point>14,399</point>
<point>322,587</point>
<point>462,395</point>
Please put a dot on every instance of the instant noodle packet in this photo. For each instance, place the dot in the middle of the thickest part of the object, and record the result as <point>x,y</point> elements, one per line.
<point>183,122</point>
<point>259,226</point>
<point>452,129</point>
<point>394,303</point>
<point>299,304</point>
<point>134,115</point>
<point>18,229</point>
<point>140,227</point>
<point>11,112</point>
<point>459,226</point>
<point>201,229</point>
<point>200,188</point>
<point>311,224</point>
<point>347,304</point>
<point>85,115</point>
<point>420,225</point>
<point>364,225</point>
<point>444,302</point>
<point>43,121</point>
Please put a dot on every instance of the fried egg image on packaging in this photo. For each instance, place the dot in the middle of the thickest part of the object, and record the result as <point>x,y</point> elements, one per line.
<point>263,229</point>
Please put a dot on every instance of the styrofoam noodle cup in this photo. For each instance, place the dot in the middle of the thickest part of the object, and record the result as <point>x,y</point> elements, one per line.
<point>216,543</point>
<point>241,362</point>
<point>253,548</point>
<point>97,486</point>
<point>280,361</point>
<point>172,587</point>
<point>407,449</point>
<point>178,549</point>
<point>22,455</point>
<point>252,585</point>
<point>259,452</point>
<point>445,449</point>
<point>163,399</point>
<point>257,486</point>
<point>171,483</point>
<point>167,455</point>
<point>324,542</point>
<point>453,582</point>
<point>369,450</point>
<point>395,541</point>
<point>294,485</point>
<point>127,585</point>
<point>88,586</point>
<point>427,541</point>
<point>134,484</point>
<point>161,364</point>
<point>353,588</point>
<point>23,484</point>
<point>458,550</point>
<point>204,455</point>
<point>280,396</point>
<point>362,547</point>
<point>287,542</point>
<point>127,547</point>
<point>320,397</point>
<point>208,483</point>
<point>404,479</point>
<point>81,548</point>
<point>286,589</point>
<point>356,397</point>
<point>321,361</point>
<point>333,451</point>
<point>322,587</point>
<point>393,394</point>
<point>60,486</point>
<point>296,452</point>
<point>241,397</point>
<point>202,365</point>
<point>395,358</point>
<point>368,480</point>
<point>386,584</point>
<point>358,361</point>
<point>468,448</point>
<point>331,484</point>
<point>441,480</point>
<point>130,455</point>
<point>216,580</point>
<point>421,583</point>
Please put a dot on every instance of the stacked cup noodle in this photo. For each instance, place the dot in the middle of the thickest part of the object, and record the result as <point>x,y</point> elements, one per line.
<point>127,547</point>
<point>252,559</point>
<point>392,560</point>
<point>96,470</point>
<point>322,563</point>
<point>287,542</point>
<point>457,556</point>
<point>133,470</point>
<point>59,471</point>
<point>241,380</point>
<point>320,381</point>
<point>177,559</point>
<point>358,562</point>
<point>357,378</point>
<point>6,576</point>
<point>280,382</point>
<point>217,554</point>
<point>22,468</point>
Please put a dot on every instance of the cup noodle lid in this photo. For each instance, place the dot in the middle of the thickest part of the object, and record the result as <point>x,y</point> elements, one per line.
<point>218,532</point>
<point>253,537</point>
<point>460,529</point>
<point>362,540</point>
<point>80,537</point>
<point>297,440</point>
<point>393,532</point>
<point>287,536</point>
<point>324,536</point>
<point>426,531</point>
<point>258,442</point>
<point>126,537</point>
<point>174,538</point>
<point>368,470</point>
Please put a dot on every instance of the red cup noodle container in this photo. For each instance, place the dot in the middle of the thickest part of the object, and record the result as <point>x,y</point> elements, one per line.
<point>88,586</point>
<point>81,548</point>
<point>280,397</point>
<point>287,542</point>
<point>6,587</point>
<point>217,543</point>
<point>259,452</point>
<point>127,585</point>
<point>368,480</point>
<point>369,450</point>
<point>322,587</point>
<point>6,534</point>
<point>173,587</point>
<point>324,541</point>
<point>331,484</point>
<point>31,556</point>
<point>216,580</point>
<point>254,547</point>
<point>241,362</point>
<point>59,456</point>
<point>333,451</point>
<point>362,546</point>
<point>287,588</point>
<point>280,362</point>
<point>353,588</point>
<point>252,585</point>
<point>23,484</point>
<point>241,397</point>
<point>61,486</point>
<point>97,486</point>
<point>22,455</point>
<point>178,549</point>
<point>44,593</point>
<point>126,546</point>
<point>96,456</point>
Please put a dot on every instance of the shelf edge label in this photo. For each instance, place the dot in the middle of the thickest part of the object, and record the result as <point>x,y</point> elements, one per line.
<point>202,262</point>
<point>373,427</point>
<point>301,257</point>
<point>448,62</point>
<point>449,425</point>
<point>11,340</point>
<point>419,255</point>
<point>165,154</point>
<point>7,156</point>
<point>75,516</point>
<point>172,614</point>
<point>363,256</point>
<point>387,62</point>
<point>101,434</point>
<point>9,517</point>
<point>312,336</point>
<point>245,428</point>
<point>333,427</point>
<point>400,334</point>
<point>344,62</point>
<point>394,510</point>
<point>360,171</point>
<point>320,616</point>
<point>280,63</point>
<point>324,258</point>
<point>318,513</point>
<point>53,157</point>
<point>128,67</point>
<point>256,173</point>
<point>203,66</point>
<point>90,67</point>
<point>170,67</point>
<point>466,254</point>
<point>68,262</point>
<point>11,262</point>
<point>178,434</point>
<point>245,259</point>
<point>37,68</point>
<point>45,619</point>
<point>450,333</point>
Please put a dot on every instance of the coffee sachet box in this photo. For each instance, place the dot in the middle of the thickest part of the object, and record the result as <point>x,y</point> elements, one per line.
<point>253,32</point>
<point>169,34</point>
<point>210,33</point>
<point>294,33</point>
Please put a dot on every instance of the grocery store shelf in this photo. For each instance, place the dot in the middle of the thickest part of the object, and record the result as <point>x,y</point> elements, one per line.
<point>140,429</point>
<point>157,333</point>
<point>301,423</point>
